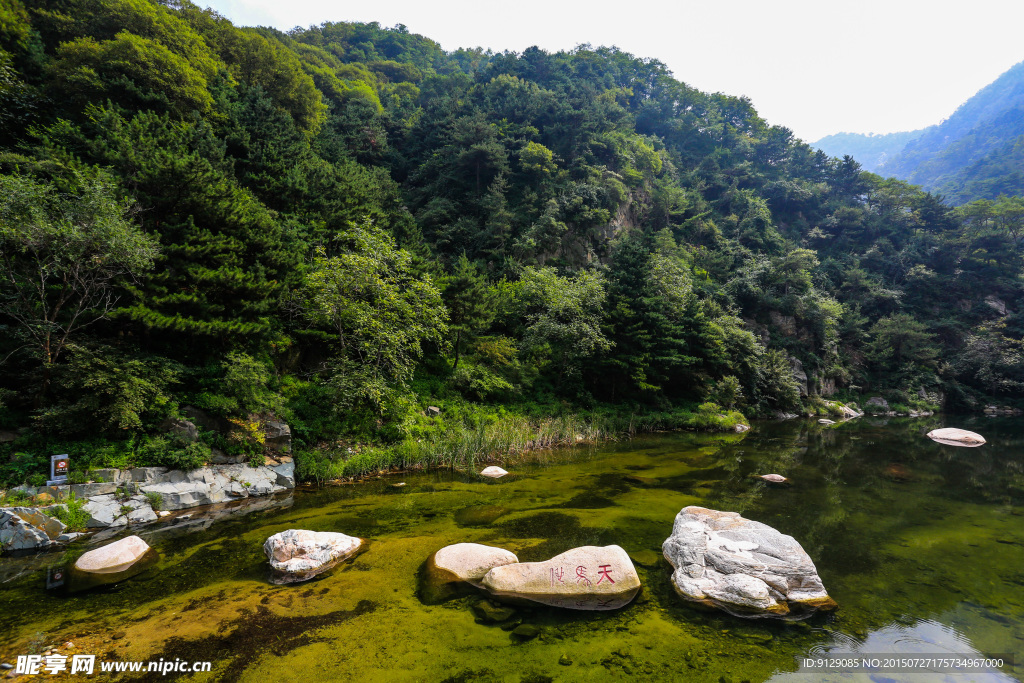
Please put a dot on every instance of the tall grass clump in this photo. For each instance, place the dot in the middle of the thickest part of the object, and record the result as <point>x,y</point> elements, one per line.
<point>458,446</point>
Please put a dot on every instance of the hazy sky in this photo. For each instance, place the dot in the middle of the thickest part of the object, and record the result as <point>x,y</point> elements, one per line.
<point>816,66</point>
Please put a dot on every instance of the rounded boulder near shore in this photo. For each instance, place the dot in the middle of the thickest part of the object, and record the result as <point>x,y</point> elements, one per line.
<point>299,555</point>
<point>114,557</point>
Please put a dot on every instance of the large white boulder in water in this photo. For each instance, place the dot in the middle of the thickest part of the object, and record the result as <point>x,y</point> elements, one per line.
<point>118,556</point>
<point>587,578</point>
<point>298,555</point>
<point>743,567</point>
<point>956,437</point>
<point>470,561</point>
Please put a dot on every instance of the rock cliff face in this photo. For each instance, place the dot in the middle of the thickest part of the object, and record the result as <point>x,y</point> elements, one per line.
<point>743,567</point>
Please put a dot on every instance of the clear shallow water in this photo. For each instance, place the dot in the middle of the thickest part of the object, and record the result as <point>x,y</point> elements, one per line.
<point>922,546</point>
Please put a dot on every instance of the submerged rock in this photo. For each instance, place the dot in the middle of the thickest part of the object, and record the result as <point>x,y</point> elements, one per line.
<point>493,472</point>
<point>898,472</point>
<point>743,567</point>
<point>298,555</point>
<point>825,421</point>
<point>115,557</point>
<point>489,613</point>
<point>586,578</point>
<point>479,515</point>
<point>956,437</point>
<point>471,561</point>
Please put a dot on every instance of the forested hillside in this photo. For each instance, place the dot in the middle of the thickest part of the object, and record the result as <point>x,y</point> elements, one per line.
<point>977,153</point>
<point>342,225</point>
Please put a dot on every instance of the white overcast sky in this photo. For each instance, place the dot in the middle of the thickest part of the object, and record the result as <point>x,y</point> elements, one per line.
<point>815,66</point>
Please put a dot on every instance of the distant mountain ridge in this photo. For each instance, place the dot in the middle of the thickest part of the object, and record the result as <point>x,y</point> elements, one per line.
<point>871,150</point>
<point>977,153</point>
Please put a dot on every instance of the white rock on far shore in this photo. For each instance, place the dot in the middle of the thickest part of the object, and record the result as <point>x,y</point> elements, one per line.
<point>493,472</point>
<point>115,557</point>
<point>298,555</point>
<point>956,437</point>
<point>471,561</point>
<point>586,578</point>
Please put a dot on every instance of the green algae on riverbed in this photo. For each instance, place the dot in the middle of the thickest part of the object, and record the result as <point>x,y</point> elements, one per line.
<point>939,547</point>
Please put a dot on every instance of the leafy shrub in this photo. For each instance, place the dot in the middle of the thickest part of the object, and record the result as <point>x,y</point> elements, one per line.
<point>36,480</point>
<point>72,513</point>
<point>711,416</point>
<point>156,501</point>
<point>776,387</point>
<point>476,381</point>
<point>20,466</point>
<point>14,498</point>
<point>111,390</point>
<point>174,452</point>
<point>727,392</point>
<point>77,477</point>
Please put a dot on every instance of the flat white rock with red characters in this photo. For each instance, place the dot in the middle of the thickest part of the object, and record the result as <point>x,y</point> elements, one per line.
<point>586,578</point>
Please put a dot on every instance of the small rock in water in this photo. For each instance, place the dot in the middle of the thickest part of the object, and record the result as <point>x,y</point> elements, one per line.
<point>298,555</point>
<point>565,661</point>
<point>956,437</point>
<point>489,613</point>
<point>493,472</point>
<point>898,472</point>
<point>526,631</point>
<point>6,666</point>
<point>824,421</point>
<point>646,558</point>
<point>773,478</point>
<point>479,515</point>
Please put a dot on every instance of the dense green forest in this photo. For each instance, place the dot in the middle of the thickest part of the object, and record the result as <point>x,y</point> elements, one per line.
<point>977,153</point>
<point>343,225</point>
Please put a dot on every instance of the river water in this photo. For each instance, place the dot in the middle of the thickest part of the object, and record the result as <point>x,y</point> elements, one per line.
<point>921,544</point>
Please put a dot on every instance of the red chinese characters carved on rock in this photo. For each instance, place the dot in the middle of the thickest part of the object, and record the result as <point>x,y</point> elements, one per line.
<point>604,570</point>
<point>581,575</point>
<point>557,574</point>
